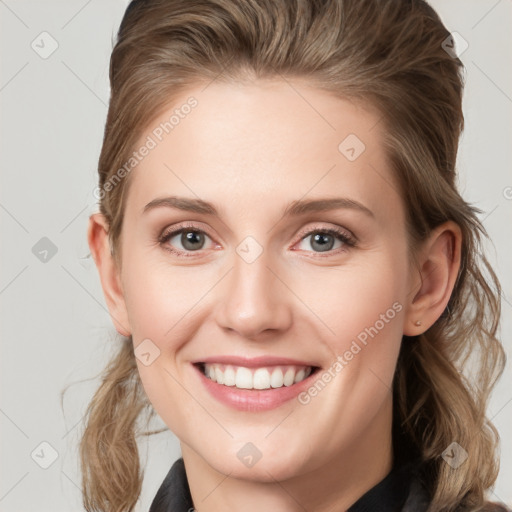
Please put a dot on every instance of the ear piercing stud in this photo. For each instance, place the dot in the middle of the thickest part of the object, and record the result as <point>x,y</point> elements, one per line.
<point>418,323</point>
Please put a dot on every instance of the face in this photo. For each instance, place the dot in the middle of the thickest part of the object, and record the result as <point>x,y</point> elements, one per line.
<point>281,262</point>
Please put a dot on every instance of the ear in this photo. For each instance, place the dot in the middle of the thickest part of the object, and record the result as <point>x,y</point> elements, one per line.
<point>432,282</point>
<point>99,244</point>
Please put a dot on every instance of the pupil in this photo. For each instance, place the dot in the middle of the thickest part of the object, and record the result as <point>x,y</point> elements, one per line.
<point>189,239</point>
<point>321,239</point>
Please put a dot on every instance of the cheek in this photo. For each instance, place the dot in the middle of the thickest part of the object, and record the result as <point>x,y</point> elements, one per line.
<point>158,296</point>
<point>348,300</point>
<point>361,309</point>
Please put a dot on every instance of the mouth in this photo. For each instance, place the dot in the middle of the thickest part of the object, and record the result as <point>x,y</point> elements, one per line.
<point>254,384</point>
<point>256,378</point>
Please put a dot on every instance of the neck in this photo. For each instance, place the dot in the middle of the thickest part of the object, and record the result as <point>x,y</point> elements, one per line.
<point>334,486</point>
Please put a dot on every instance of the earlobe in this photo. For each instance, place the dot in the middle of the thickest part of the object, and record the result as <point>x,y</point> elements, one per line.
<point>438,268</point>
<point>97,236</point>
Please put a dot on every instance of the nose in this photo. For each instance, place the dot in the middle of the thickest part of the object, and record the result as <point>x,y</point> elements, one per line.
<point>255,302</point>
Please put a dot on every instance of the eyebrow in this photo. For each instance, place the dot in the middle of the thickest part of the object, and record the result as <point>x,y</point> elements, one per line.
<point>295,208</point>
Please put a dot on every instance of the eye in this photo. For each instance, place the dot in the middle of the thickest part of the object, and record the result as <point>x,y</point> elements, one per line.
<point>186,239</point>
<point>183,239</point>
<point>324,240</point>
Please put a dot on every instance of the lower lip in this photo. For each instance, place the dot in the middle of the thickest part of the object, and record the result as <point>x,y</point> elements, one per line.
<point>254,400</point>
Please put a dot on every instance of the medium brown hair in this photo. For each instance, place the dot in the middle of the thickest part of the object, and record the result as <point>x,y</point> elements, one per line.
<point>388,53</point>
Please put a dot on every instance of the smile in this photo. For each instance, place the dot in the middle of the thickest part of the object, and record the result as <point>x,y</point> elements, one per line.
<point>254,388</point>
<point>256,378</point>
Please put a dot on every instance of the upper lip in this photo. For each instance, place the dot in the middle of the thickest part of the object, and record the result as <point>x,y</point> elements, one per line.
<point>253,362</point>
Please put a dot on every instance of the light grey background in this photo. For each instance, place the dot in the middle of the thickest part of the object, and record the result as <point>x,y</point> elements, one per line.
<point>55,327</point>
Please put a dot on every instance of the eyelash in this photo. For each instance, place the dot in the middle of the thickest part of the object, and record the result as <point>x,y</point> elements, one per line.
<point>342,235</point>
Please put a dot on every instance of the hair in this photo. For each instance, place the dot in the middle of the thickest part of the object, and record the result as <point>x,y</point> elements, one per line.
<point>385,53</point>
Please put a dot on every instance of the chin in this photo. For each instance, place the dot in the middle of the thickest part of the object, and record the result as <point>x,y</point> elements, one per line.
<point>259,466</point>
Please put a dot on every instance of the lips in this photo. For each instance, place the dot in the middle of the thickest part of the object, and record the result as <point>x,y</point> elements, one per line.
<point>264,372</point>
<point>254,384</point>
<point>254,362</point>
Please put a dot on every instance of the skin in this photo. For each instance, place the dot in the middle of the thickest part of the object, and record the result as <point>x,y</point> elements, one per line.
<point>242,147</point>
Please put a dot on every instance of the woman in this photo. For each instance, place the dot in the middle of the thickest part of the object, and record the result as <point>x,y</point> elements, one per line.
<point>312,351</point>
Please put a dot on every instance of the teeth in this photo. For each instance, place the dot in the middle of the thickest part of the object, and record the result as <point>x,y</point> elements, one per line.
<point>288,377</point>
<point>229,376</point>
<point>276,379</point>
<point>243,378</point>
<point>259,378</point>
<point>219,376</point>
<point>300,375</point>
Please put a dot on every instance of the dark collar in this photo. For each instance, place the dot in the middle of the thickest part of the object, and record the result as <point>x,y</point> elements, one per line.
<point>396,492</point>
<point>174,493</point>
<point>399,491</point>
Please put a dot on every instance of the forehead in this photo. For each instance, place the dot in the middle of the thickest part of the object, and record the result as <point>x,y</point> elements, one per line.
<point>270,140</point>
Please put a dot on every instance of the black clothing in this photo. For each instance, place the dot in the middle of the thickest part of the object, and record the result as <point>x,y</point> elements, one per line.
<point>400,491</point>
<point>404,489</point>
